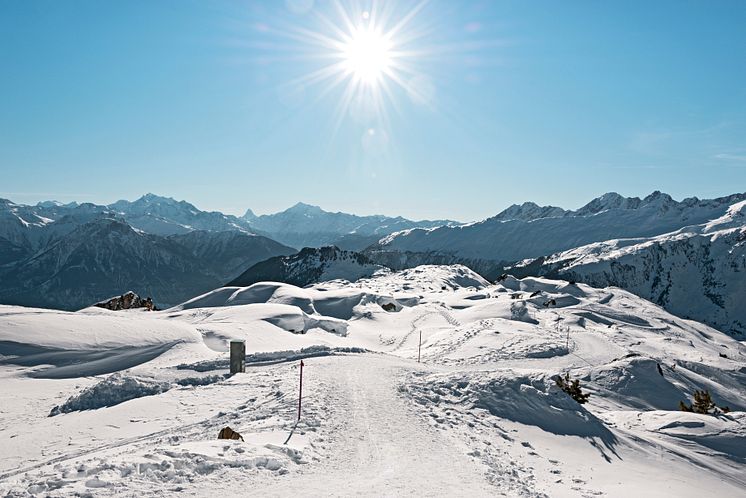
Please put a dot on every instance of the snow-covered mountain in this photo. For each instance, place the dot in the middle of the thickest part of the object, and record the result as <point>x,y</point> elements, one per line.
<point>38,225</point>
<point>166,216</point>
<point>106,256</point>
<point>303,225</point>
<point>102,258</point>
<point>310,265</point>
<point>528,231</point>
<point>34,227</point>
<point>696,272</point>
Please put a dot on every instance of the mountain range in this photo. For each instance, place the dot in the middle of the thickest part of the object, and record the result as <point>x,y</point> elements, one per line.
<point>106,256</point>
<point>696,272</point>
<point>687,256</point>
<point>68,256</point>
<point>304,225</point>
<point>530,231</point>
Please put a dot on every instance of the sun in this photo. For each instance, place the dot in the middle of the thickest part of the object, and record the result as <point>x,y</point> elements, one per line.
<point>369,59</point>
<point>367,55</point>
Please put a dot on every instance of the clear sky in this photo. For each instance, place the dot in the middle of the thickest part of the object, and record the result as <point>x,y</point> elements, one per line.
<point>436,110</point>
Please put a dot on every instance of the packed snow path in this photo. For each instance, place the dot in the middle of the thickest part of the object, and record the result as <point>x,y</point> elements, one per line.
<point>379,445</point>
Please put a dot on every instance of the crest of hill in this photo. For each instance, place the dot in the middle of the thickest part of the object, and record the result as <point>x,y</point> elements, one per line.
<point>308,266</point>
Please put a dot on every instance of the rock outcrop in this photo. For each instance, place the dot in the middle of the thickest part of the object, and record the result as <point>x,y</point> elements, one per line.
<point>126,301</point>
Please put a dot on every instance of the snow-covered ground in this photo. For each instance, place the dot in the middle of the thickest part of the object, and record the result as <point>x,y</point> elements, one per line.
<point>130,403</point>
<point>695,272</point>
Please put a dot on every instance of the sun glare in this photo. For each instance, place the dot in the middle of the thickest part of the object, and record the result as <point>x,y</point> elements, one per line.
<point>367,55</point>
<point>373,55</point>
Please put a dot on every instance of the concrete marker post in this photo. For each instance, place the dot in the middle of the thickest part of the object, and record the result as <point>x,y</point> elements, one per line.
<point>238,356</point>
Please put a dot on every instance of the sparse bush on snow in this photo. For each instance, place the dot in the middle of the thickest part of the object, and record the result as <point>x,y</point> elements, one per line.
<point>703,404</point>
<point>572,387</point>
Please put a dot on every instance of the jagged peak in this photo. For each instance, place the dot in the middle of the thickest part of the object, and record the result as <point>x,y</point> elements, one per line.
<point>609,200</point>
<point>658,196</point>
<point>529,211</point>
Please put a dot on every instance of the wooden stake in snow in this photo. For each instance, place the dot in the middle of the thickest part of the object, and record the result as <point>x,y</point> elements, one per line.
<point>300,391</point>
<point>419,348</point>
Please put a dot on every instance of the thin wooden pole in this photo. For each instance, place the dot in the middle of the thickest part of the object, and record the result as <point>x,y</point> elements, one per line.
<point>419,348</point>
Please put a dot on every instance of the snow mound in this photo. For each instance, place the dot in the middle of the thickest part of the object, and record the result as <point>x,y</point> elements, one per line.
<point>425,278</point>
<point>119,388</point>
<point>89,329</point>
<point>527,399</point>
<point>333,300</point>
<point>296,321</point>
<point>725,434</point>
<point>637,382</point>
<point>262,292</point>
<point>59,363</point>
<point>111,391</point>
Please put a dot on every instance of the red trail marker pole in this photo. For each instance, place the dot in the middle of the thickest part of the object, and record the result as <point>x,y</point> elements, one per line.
<point>300,391</point>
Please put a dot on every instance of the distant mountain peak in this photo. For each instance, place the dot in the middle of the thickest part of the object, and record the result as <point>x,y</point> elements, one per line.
<point>612,200</point>
<point>529,211</point>
<point>609,200</point>
<point>49,204</point>
<point>302,207</point>
<point>249,215</point>
<point>658,196</point>
<point>151,198</point>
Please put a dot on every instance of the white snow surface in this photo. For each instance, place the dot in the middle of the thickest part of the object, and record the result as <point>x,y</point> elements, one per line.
<point>695,272</point>
<point>138,398</point>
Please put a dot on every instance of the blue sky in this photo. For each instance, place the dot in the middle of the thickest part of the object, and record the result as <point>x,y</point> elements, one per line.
<point>555,102</point>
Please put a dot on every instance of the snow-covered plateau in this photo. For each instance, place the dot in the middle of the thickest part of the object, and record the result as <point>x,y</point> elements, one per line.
<point>130,403</point>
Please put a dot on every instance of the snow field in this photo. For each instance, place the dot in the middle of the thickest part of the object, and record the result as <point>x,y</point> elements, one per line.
<point>479,416</point>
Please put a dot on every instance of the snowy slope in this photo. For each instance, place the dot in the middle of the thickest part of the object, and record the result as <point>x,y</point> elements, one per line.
<point>697,272</point>
<point>479,416</point>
